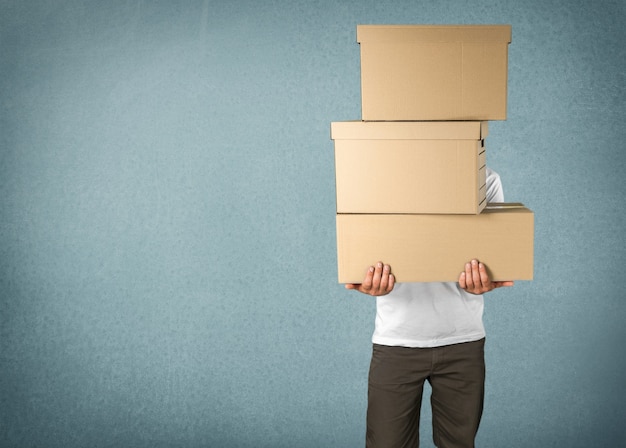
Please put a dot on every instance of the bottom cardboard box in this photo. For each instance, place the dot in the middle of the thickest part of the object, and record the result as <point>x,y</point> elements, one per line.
<point>435,248</point>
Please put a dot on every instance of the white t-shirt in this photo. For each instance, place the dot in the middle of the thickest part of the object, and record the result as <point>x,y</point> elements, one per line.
<point>432,314</point>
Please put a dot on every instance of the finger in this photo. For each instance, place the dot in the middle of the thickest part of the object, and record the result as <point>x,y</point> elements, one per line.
<point>369,280</point>
<point>353,285</point>
<point>384,279</point>
<point>462,282</point>
<point>484,276</point>
<point>503,284</point>
<point>469,279</point>
<point>378,272</point>
<point>476,274</point>
<point>392,282</point>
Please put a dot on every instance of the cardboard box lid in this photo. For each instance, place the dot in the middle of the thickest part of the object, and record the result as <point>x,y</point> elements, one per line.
<point>409,130</point>
<point>433,33</point>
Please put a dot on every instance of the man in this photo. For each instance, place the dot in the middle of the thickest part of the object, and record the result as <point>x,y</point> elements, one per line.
<point>428,332</point>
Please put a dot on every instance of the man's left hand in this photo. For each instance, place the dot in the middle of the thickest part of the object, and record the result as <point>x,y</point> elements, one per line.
<point>475,279</point>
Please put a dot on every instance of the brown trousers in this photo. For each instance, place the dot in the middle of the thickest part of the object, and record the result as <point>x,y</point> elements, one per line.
<point>456,374</point>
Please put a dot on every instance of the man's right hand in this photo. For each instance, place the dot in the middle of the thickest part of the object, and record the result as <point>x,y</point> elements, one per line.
<point>378,281</point>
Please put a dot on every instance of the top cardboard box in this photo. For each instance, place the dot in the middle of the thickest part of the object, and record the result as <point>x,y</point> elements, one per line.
<point>434,72</point>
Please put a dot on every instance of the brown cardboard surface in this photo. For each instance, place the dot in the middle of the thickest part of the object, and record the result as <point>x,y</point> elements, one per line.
<point>435,248</point>
<point>410,167</point>
<point>430,72</point>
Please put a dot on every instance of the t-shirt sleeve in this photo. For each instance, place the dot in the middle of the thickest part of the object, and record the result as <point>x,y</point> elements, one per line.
<point>494,187</point>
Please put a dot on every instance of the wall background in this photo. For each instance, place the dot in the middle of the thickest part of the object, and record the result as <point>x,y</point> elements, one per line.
<point>167,253</point>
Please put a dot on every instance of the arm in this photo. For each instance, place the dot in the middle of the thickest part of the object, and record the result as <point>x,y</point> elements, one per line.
<point>475,279</point>
<point>378,281</point>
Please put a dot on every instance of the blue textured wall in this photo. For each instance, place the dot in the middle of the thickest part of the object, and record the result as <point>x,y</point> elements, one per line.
<point>167,253</point>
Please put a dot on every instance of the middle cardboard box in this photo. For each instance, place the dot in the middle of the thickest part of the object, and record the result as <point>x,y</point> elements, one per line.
<point>423,167</point>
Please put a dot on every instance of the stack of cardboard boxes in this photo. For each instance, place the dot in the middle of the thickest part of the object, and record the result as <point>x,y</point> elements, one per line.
<point>411,174</point>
